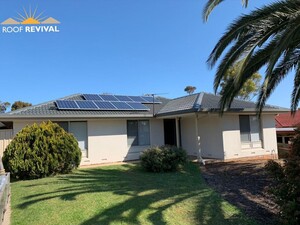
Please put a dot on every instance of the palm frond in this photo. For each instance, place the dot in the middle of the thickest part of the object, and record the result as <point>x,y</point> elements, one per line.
<point>211,4</point>
<point>257,22</point>
<point>208,8</point>
<point>296,91</point>
<point>269,36</point>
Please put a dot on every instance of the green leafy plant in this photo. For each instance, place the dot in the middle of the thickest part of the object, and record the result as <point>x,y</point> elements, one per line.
<point>287,184</point>
<point>40,151</point>
<point>163,159</point>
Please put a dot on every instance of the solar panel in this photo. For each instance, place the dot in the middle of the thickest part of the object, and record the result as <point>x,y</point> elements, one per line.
<point>149,99</point>
<point>92,97</point>
<point>137,106</point>
<point>66,104</point>
<point>108,98</point>
<point>122,105</point>
<point>105,105</point>
<point>123,98</point>
<point>137,98</point>
<point>86,105</point>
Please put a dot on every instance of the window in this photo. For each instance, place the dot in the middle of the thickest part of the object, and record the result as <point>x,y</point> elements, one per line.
<point>64,125</point>
<point>79,130</point>
<point>279,139</point>
<point>249,128</point>
<point>138,132</point>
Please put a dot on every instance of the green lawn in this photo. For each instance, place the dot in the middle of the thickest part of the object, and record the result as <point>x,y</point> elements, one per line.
<point>122,194</point>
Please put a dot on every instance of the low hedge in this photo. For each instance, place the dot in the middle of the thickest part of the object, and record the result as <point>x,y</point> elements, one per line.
<point>163,158</point>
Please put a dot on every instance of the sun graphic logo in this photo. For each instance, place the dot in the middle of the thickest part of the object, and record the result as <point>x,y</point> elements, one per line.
<point>30,21</point>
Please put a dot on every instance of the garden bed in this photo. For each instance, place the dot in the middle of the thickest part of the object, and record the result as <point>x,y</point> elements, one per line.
<point>244,184</point>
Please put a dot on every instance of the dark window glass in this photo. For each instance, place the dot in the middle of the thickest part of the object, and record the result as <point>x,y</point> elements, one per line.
<point>138,132</point>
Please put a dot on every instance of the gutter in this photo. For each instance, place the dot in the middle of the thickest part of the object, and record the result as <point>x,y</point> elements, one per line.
<point>7,118</point>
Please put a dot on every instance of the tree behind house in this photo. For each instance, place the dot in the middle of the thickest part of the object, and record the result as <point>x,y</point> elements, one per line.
<point>19,105</point>
<point>250,87</point>
<point>4,106</point>
<point>190,89</point>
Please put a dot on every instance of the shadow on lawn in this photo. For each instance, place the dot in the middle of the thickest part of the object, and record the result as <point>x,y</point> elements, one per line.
<point>153,193</point>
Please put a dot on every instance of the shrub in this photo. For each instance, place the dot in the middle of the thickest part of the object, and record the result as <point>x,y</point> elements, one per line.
<point>287,184</point>
<point>162,159</point>
<point>40,151</point>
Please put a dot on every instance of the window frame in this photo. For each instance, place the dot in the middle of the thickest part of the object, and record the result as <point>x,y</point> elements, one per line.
<point>251,131</point>
<point>138,133</point>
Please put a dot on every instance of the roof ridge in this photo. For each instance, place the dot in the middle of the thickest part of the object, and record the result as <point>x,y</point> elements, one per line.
<point>185,96</point>
<point>41,104</point>
<point>198,101</point>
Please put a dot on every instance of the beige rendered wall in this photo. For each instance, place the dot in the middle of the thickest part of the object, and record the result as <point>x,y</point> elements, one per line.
<point>188,135</point>
<point>211,140</point>
<point>19,125</point>
<point>233,147</point>
<point>269,134</point>
<point>220,137</point>
<point>107,139</point>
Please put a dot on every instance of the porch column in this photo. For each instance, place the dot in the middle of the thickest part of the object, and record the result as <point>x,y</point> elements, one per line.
<point>177,132</point>
<point>198,142</point>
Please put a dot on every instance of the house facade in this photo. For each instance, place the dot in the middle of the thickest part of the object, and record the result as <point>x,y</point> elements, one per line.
<point>118,128</point>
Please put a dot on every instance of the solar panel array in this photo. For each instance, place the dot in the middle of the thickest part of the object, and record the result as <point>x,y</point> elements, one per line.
<point>107,102</point>
<point>120,98</point>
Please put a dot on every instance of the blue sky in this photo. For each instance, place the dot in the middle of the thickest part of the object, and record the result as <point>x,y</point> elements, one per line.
<point>130,47</point>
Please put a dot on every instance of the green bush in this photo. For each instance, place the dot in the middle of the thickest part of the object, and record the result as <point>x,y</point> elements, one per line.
<point>163,159</point>
<point>41,150</point>
<point>287,184</point>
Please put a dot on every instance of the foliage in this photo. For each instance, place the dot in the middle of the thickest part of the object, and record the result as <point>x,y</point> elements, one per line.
<point>268,37</point>
<point>287,188</point>
<point>250,87</point>
<point>190,89</point>
<point>122,194</point>
<point>19,104</point>
<point>211,4</point>
<point>162,159</point>
<point>40,151</point>
<point>4,106</point>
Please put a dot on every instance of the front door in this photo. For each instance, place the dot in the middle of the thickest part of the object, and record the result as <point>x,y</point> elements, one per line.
<point>170,131</point>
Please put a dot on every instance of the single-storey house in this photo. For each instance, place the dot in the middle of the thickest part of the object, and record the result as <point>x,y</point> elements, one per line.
<point>111,128</point>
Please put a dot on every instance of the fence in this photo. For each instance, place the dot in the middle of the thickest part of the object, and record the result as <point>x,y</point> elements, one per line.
<point>5,139</point>
<point>4,194</point>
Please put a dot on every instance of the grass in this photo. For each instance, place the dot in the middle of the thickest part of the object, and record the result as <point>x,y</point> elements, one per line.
<point>122,194</point>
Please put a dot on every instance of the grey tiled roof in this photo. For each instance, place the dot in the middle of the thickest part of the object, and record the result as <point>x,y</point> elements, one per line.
<point>208,102</point>
<point>181,105</point>
<point>49,109</point>
<point>200,102</point>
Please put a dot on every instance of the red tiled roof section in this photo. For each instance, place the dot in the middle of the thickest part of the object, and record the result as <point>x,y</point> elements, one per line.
<point>287,120</point>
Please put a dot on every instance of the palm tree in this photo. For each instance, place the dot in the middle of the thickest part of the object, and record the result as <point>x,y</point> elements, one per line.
<point>267,37</point>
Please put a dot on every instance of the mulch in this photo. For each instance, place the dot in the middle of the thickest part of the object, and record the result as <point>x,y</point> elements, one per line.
<point>244,184</point>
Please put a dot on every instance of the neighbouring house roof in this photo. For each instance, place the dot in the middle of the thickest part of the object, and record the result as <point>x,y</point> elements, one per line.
<point>205,102</point>
<point>200,102</point>
<point>50,110</point>
<point>287,120</point>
